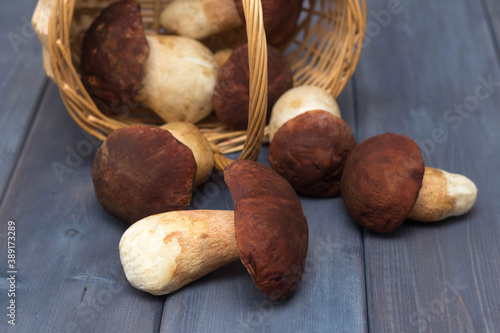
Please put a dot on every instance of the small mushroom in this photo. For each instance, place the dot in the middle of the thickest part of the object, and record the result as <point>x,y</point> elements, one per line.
<point>140,171</point>
<point>202,18</point>
<point>267,231</point>
<point>232,94</point>
<point>385,181</point>
<point>121,65</point>
<point>309,141</point>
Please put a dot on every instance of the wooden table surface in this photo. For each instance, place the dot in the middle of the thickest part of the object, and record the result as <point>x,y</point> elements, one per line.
<point>429,70</point>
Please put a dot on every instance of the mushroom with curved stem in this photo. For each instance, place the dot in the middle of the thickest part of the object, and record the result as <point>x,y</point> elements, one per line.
<point>202,18</point>
<point>385,182</point>
<point>267,231</point>
<point>309,141</point>
<point>120,64</point>
<point>140,171</point>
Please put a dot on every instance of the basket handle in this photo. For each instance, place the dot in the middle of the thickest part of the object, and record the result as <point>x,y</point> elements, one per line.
<point>257,59</point>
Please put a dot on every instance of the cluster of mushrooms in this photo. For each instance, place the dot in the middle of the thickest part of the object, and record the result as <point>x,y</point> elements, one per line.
<point>177,77</point>
<point>146,175</point>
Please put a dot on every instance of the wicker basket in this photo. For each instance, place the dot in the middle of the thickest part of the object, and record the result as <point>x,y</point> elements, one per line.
<point>323,53</point>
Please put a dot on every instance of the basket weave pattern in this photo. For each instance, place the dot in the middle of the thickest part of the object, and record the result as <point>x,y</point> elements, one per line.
<point>323,53</point>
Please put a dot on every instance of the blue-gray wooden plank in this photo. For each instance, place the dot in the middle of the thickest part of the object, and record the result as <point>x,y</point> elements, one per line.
<point>425,73</point>
<point>21,81</point>
<point>69,276</point>
<point>331,297</point>
<point>492,7</point>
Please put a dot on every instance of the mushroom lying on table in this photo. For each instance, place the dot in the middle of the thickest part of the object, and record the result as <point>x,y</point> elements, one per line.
<point>121,65</point>
<point>267,231</point>
<point>140,171</point>
<point>309,141</point>
<point>385,181</point>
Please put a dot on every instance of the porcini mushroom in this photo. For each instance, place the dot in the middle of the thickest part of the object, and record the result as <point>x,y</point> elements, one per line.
<point>121,65</point>
<point>140,171</point>
<point>202,18</point>
<point>267,231</point>
<point>309,141</point>
<point>232,93</point>
<point>385,182</point>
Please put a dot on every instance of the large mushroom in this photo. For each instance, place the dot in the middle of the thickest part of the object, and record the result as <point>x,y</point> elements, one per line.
<point>385,182</point>
<point>140,171</point>
<point>267,231</point>
<point>309,141</point>
<point>202,18</point>
<point>121,65</point>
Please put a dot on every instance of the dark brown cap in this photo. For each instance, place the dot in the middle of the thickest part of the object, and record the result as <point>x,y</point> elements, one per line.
<point>310,151</point>
<point>280,18</point>
<point>271,229</point>
<point>232,94</point>
<point>140,171</point>
<point>381,181</point>
<point>114,53</point>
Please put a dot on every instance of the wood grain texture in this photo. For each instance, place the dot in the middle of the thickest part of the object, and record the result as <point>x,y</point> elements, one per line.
<point>430,56</point>
<point>492,8</point>
<point>69,274</point>
<point>21,81</point>
<point>331,297</point>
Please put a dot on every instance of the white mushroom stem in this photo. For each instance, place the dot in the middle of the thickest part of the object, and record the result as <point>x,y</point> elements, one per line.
<point>192,137</point>
<point>297,101</point>
<point>200,18</point>
<point>162,253</point>
<point>180,78</point>
<point>442,195</point>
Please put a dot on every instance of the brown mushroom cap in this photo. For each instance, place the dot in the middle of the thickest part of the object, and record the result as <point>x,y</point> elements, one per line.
<point>280,18</point>
<point>232,94</point>
<point>140,171</point>
<point>271,230</point>
<point>310,151</point>
<point>381,181</point>
<point>114,52</point>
